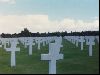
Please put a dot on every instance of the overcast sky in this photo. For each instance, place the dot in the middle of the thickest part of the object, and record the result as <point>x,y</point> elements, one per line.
<point>48,15</point>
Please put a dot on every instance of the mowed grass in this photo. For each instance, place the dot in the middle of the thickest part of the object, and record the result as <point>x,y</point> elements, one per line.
<point>75,61</point>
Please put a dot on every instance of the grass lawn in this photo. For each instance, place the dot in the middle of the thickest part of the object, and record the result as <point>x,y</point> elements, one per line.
<point>75,61</point>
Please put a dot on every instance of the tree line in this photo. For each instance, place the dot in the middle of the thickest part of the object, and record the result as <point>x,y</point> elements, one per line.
<point>27,33</point>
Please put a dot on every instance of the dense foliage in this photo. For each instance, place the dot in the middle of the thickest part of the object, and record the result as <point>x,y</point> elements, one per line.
<point>27,33</point>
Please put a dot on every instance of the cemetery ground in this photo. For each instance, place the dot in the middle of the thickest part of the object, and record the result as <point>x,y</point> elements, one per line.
<point>75,61</point>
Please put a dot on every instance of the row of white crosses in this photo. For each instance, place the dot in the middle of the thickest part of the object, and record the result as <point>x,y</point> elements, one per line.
<point>36,40</point>
<point>76,40</point>
<point>90,40</point>
<point>54,49</point>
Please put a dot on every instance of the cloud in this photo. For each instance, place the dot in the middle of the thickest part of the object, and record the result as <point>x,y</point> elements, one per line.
<point>80,25</point>
<point>8,1</point>
<point>42,23</point>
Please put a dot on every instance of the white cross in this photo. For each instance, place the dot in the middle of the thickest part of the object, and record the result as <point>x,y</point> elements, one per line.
<point>43,41</point>
<point>13,49</point>
<point>90,43</point>
<point>30,44</point>
<point>38,40</point>
<point>54,49</point>
<point>73,39</point>
<point>4,42</point>
<point>25,42</point>
<point>46,41</point>
<point>22,40</point>
<point>77,40</point>
<point>81,39</point>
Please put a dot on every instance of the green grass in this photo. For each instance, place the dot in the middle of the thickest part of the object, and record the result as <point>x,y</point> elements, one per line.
<point>75,61</point>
